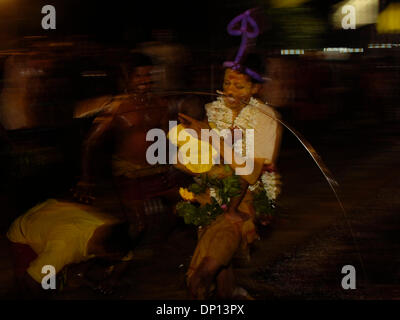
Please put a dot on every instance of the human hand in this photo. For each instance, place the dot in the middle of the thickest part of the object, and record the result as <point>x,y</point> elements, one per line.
<point>83,192</point>
<point>106,287</point>
<point>191,123</point>
<point>199,284</point>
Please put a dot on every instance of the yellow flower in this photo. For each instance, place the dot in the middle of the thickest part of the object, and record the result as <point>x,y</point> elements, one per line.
<point>186,194</point>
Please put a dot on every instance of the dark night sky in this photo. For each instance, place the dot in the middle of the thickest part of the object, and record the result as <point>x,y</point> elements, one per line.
<point>118,20</point>
<point>196,23</point>
<point>194,20</point>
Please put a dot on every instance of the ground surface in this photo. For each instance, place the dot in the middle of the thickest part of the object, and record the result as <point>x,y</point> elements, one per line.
<point>301,255</point>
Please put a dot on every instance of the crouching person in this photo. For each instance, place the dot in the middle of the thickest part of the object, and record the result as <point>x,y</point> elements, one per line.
<point>56,234</point>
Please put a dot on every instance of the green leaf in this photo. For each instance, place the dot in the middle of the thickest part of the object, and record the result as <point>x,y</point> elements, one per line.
<point>198,216</point>
<point>196,188</point>
<point>261,203</point>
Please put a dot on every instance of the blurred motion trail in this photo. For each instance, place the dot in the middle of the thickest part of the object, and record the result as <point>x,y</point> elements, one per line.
<point>301,255</point>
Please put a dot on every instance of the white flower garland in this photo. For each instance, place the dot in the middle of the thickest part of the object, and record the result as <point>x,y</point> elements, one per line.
<point>222,117</point>
<point>213,194</point>
<point>272,184</point>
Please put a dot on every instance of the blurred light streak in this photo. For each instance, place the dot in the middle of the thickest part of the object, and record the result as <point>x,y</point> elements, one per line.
<point>383,45</point>
<point>344,50</point>
<point>292,51</point>
<point>287,3</point>
<point>93,74</point>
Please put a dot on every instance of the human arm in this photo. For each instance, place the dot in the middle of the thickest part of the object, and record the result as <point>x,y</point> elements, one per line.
<point>28,288</point>
<point>182,168</point>
<point>226,151</point>
<point>108,285</point>
<point>102,125</point>
<point>114,274</point>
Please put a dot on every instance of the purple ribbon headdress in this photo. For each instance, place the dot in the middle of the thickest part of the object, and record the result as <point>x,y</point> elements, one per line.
<point>245,21</point>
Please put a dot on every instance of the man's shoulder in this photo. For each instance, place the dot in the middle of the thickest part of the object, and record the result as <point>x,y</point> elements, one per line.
<point>93,106</point>
<point>135,102</point>
<point>16,232</point>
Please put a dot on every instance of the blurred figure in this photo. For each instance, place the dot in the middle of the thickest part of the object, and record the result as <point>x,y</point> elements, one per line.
<point>60,234</point>
<point>211,264</point>
<point>36,90</point>
<point>16,111</point>
<point>119,135</point>
<point>169,58</point>
<point>278,90</point>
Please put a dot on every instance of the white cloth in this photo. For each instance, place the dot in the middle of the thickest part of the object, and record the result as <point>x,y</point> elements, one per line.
<point>257,116</point>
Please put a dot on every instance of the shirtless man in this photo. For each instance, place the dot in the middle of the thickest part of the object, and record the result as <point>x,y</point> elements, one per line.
<point>125,121</point>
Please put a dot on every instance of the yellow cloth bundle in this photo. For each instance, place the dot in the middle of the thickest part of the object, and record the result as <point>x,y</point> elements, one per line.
<point>58,232</point>
<point>196,155</point>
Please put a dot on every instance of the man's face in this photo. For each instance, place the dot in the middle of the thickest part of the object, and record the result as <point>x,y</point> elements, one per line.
<point>238,88</point>
<point>141,79</point>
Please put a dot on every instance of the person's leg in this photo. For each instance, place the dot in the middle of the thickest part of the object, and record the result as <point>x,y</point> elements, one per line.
<point>77,274</point>
<point>202,279</point>
<point>22,256</point>
<point>226,286</point>
<point>214,251</point>
<point>25,286</point>
<point>225,283</point>
<point>149,202</point>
